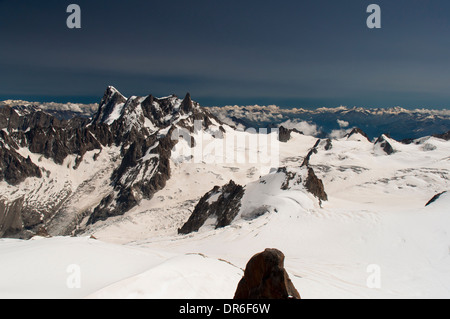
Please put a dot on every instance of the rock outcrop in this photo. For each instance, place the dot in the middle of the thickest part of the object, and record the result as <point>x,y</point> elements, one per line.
<point>328,145</point>
<point>435,198</point>
<point>266,278</point>
<point>357,131</point>
<point>384,145</point>
<point>284,134</point>
<point>315,186</point>
<point>222,203</point>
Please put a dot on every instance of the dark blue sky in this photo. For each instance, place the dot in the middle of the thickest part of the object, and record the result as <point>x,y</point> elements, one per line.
<point>290,53</point>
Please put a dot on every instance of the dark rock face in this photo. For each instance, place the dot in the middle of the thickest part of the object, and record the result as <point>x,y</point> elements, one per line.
<point>14,168</point>
<point>435,198</point>
<point>10,217</point>
<point>444,136</point>
<point>224,208</point>
<point>328,145</point>
<point>44,134</point>
<point>187,105</point>
<point>284,134</point>
<point>266,278</point>
<point>385,145</point>
<point>315,186</point>
<point>110,100</point>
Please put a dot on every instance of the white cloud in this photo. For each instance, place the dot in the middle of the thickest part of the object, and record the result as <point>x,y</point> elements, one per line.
<point>302,126</point>
<point>343,124</point>
<point>337,134</point>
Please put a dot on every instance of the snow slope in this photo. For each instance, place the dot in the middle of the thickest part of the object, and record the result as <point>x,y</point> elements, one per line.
<point>375,219</point>
<point>41,268</point>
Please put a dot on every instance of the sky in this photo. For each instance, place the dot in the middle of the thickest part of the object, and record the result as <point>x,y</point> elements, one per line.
<point>292,53</point>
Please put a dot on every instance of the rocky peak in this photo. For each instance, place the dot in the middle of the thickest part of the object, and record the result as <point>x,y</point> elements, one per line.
<point>109,95</point>
<point>223,203</point>
<point>112,98</point>
<point>315,186</point>
<point>284,134</point>
<point>187,106</point>
<point>357,131</point>
<point>383,143</point>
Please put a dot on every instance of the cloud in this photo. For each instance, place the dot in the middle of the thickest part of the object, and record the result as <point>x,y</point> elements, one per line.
<point>337,134</point>
<point>302,126</point>
<point>343,124</point>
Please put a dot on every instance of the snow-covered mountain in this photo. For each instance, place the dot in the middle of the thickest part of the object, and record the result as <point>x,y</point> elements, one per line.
<point>56,173</point>
<point>178,202</point>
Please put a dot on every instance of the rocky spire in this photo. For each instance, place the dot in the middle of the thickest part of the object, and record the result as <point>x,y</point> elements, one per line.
<point>187,105</point>
<point>355,131</point>
<point>111,98</point>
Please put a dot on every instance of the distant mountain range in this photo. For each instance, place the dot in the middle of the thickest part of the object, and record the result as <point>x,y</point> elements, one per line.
<point>62,111</point>
<point>397,122</point>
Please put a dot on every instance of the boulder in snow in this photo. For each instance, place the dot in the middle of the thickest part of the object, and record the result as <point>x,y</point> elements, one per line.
<point>266,278</point>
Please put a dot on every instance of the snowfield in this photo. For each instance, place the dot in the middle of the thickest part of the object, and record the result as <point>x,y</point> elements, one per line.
<point>373,238</point>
